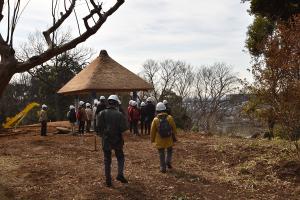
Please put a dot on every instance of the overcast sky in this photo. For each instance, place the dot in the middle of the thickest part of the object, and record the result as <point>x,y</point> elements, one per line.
<point>199,32</point>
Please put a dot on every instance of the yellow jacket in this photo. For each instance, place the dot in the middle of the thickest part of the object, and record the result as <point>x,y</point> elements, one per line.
<point>155,137</point>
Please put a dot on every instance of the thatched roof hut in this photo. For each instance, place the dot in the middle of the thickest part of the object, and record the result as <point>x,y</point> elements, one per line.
<point>104,75</point>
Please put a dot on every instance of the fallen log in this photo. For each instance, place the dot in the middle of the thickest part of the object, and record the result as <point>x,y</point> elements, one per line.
<point>63,130</point>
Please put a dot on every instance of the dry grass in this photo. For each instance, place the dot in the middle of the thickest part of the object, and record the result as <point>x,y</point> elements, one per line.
<point>67,167</point>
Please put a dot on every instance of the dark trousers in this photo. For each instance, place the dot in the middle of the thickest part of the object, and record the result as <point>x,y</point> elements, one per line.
<point>135,127</point>
<point>143,127</point>
<point>107,162</point>
<point>148,125</point>
<point>88,125</point>
<point>163,159</point>
<point>95,126</point>
<point>130,126</point>
<point>43,128</point>
<point>81,127</point>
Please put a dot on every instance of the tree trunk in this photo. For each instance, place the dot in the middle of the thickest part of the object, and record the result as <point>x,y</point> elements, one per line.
<point>5,77</point>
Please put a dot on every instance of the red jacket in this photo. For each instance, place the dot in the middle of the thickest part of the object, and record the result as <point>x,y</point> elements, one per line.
<point>135,114</point>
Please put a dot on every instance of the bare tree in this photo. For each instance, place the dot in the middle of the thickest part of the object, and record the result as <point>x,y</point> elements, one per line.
<point>9,63</point>
<point>151,74</point>
<point>184,80</point>
<point>212,84</point>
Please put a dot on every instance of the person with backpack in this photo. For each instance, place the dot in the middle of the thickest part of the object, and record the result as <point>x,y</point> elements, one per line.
<point>81,117</point>
<point>143,116</point>
<point>112,124</point>
<point>89,117</point>
<point>135,117</point>
<point>163,135</point>
<point>150,113</point>
<point>43,118</point>
<point>71,115</point>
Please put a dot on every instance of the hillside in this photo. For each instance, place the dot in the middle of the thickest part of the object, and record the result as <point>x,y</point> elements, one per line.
<point>68,167</point>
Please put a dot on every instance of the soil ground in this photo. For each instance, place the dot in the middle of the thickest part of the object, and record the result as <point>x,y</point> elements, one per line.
<point>68,167</point>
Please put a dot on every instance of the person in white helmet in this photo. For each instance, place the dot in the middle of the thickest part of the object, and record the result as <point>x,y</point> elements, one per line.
<point>150,113</point>
<point>128,114</point>
<point>163,136</point>
<point>135,116</point>
<point>43,118</point>
<point>168,109</point>
<point>101,105</point>
<point>89,117</point>
<point>112,124</point>
<point>94,113</point>
<point>71,115</point>
<point>81,117</point>
<point>143,116</point>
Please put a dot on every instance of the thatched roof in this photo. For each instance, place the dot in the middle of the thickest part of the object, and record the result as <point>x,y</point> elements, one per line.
<point>104,75</point>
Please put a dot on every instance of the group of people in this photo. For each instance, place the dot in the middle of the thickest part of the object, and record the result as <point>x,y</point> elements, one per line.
<point>109,122</point>
<point>143,114</point>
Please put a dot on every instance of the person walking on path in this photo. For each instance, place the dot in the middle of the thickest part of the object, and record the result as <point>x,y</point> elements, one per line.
<point>71,115</point>
<point>112,124</point>
<point>150,113</point>
<point>43,118</point>
<point>163,136</point>
<point>81,117</point>
<point>89,117</point>
<point>143,116</point>
<point>135,116</point>
<point>168,108</point>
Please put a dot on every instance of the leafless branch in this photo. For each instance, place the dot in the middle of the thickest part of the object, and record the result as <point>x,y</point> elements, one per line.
<point>39,59</point>
<point>57,24</point>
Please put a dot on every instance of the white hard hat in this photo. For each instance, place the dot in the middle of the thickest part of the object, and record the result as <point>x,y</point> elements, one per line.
<point>88,104</point>
<point>81,103</point>
<point>160,106</point>
<point>114,97</point>
<point>95,101</point>
<point>143,104</point>
<point>102,98</point>
<point>134,103</point>
<point>72,107</point>
<point>44,106</point>
<point>130,102</point>
<point>149,99</point>
<point>165,101</point>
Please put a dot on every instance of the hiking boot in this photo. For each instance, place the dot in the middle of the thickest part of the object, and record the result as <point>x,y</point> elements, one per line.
<point>169,166</point>
<point>122,179</point>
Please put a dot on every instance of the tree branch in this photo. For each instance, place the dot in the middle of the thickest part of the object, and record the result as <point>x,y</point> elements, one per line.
<point>58,24</point>
<point>50,53</point>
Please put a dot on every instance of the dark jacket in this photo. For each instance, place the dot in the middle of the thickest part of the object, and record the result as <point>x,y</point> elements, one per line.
<point>72,116</point>
<point>143,113</point>
<point>112,124</point>
<point>150,112</point>
<point>101,106</point>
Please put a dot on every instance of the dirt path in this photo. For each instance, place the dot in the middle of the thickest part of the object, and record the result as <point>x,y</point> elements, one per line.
<point>67,167</point>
